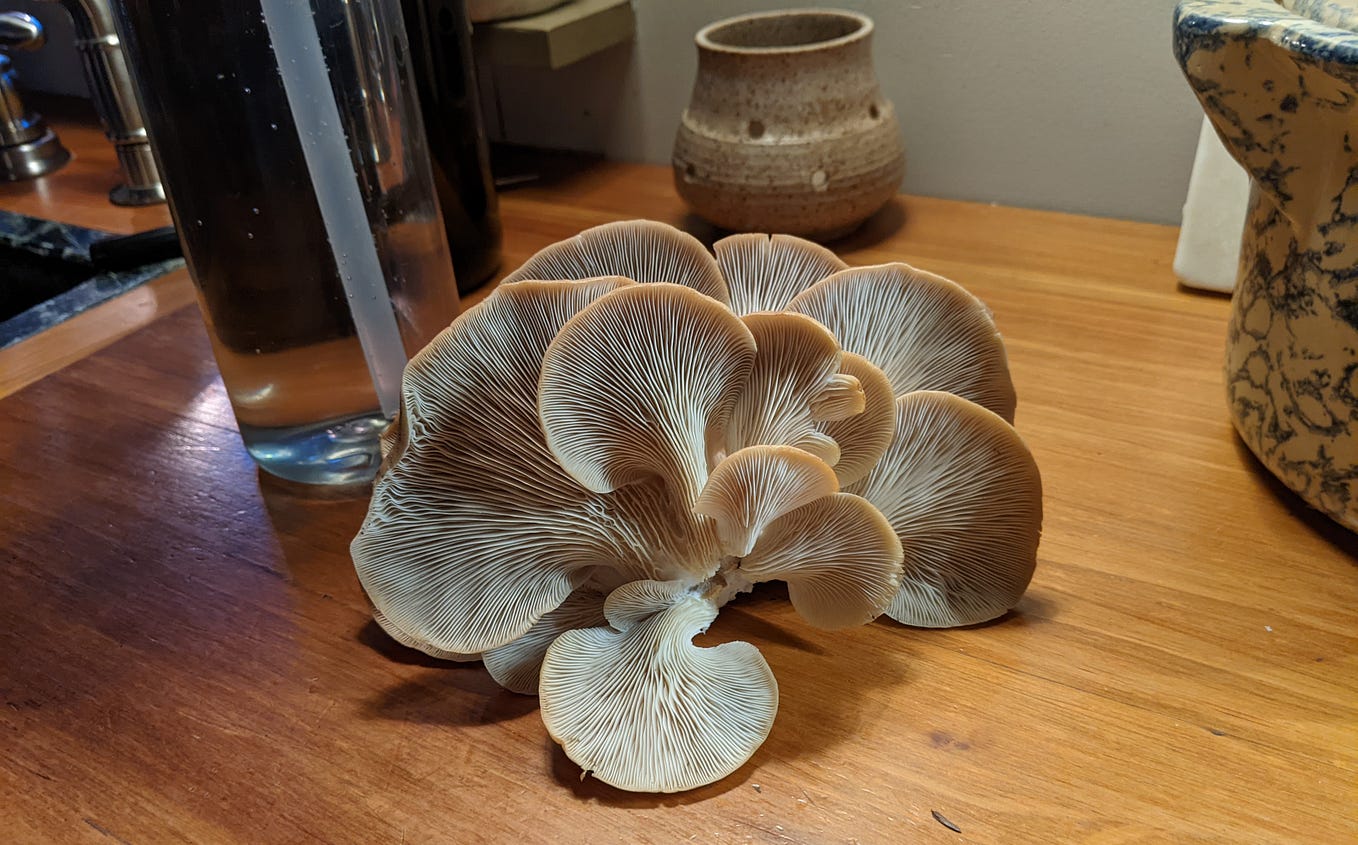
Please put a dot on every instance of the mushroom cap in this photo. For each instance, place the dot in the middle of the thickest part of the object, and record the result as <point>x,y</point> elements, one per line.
<point>794,382</point>
<point>642,250</point>
<point>517,665</point>
<point>578,456</point>
<point>640,384</point>
<point>839,556</point>
<point>764,272</point>
<point>475,531</point>
<point>642,708</point>
<point>924,331</point>
<point>863,437</point>
<point>963,493</point>
<point>418,644</point>
<point>755,486</point>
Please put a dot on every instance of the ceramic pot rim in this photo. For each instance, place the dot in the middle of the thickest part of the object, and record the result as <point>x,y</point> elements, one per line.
<point>861,31</point>
<point>1299,29</point>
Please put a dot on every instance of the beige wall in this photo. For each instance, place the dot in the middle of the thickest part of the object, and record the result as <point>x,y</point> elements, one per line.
<point>1075,105</point>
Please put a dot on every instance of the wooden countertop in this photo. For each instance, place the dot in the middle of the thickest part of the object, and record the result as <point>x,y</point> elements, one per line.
<point>185,654</point>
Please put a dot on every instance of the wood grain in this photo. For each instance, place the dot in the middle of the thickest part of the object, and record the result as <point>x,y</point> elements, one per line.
<point>185,655</point>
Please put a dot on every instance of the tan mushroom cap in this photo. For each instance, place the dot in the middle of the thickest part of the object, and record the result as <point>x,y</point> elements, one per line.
<point>839,556</point>
<point>924,331</point>
<point>642,708</point>
<point>475,531</point>
<point>863,437</point>
<point>420,645</point>
<point>517,665</point>
<point>794,382</point>
<point>642,250</point>
<point>640,384</point>
<point>755,486</point>
<point>765,272</point>
<point>962,491</point>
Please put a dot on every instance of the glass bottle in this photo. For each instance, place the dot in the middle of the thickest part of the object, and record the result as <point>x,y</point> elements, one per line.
<point>290,142</point>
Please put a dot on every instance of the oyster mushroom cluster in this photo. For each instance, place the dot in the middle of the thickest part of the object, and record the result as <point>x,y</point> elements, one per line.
<point>630,432</point>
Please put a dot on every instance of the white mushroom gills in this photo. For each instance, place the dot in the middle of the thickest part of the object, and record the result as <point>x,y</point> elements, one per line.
<point>765,272</point>
<point>863,437</point>
<point>794,383</point>
<point>418,644</point>
<point>755,486</point>
<point>839,556</point>
<point>638,383</point>
<point>476,531</point>
<point>517,665</point>
<point>963,493</point>
<point>639,706</point>
<point>923,331</point>
<point>642,250</point>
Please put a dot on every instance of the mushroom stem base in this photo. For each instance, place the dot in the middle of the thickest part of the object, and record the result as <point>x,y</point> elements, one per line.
<point>727,583</point>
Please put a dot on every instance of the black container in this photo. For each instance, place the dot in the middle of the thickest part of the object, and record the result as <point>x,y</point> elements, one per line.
<point>445,79</point>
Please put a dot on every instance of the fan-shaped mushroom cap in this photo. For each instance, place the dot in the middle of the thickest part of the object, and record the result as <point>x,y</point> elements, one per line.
<point>640,384</point>
<point>863,437</point>
<point>755,486</point>
<point>476,531</point>
<point>641,250</point>
<point>419,645</point>
<point>923,331</point>
<point>839,556</point>
<point>516,666</point>
<point>642,708</point>
<point>961,490</point>
<point>765,272</point>
<point>794,382</point>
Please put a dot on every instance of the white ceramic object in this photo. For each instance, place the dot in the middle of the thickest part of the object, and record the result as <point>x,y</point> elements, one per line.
<point>1280,84</point>
<point>1208,253</point>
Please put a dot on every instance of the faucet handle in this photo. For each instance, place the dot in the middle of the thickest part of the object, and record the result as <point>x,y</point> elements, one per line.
<point>19,31</point>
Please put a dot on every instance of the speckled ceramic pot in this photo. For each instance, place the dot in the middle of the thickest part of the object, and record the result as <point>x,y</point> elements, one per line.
<point>1279,81</point>
<point>787,130</point>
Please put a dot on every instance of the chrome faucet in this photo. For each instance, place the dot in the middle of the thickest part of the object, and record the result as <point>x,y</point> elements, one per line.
<point>28,148</point>
<point>115,100</point>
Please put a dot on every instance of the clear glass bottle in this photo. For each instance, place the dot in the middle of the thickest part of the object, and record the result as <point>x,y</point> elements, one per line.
<point>290,142</point>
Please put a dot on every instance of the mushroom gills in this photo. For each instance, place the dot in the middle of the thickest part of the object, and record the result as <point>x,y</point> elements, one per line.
<point>638,385</point>
<point>516,666</point>
<point>755,486</point>
<point>964,495</point>
<point>642,708</point>
<point>477,531</point>
<point>764,272</point>
<point>839,556</point>
<point>925,332</point>
<point>794,383</point>
<point>645,251</point>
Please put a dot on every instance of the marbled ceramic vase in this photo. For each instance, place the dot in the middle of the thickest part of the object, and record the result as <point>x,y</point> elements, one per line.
<point>1279,81</point>
<point>787,129</point>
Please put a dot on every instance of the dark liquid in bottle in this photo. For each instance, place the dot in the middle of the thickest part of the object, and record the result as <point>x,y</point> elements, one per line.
<point>239,188</point>
<point>445,77</point>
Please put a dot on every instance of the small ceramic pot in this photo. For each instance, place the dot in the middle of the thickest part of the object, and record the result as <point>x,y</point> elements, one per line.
<point>787,129</point>
<point>1279,81</point>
